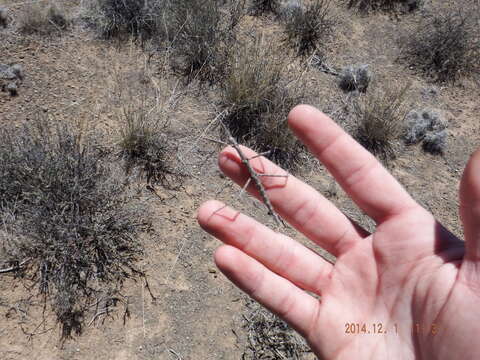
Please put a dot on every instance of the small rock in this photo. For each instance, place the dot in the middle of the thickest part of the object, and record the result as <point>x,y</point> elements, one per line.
<point>17,69</point>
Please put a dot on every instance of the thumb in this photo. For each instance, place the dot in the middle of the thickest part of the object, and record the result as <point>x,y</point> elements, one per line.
<point>470,207</point>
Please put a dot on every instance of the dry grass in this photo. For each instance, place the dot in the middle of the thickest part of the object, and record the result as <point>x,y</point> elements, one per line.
<point>120,19</point>
<point>385,5</point>
<point>262,7</point>
<point>145,145</point>
<point>270,337</point>
<point>43,18</point>
<point>445,46</point>
<point>258,102</point>
<point>380,119</point>
<point>200,35</point>
<point>310,28</point>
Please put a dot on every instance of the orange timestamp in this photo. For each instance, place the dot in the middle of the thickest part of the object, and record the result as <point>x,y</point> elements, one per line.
<point>382,329</point>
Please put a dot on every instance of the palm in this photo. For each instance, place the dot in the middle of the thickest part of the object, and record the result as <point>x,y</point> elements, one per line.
<point>409,290</point>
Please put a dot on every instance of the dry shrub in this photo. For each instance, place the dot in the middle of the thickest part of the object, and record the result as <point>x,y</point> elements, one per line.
<point>262,7</point>
<point>43,18</point>
<point>270,337</point>
<point>144,145</point>
<point>68,212</point>
<point>445,46</point>
<point>311,27</point>
<point>386,5</point>
<point>380,118</point>
<point>258,102</point>
<point>119,19</point>
<point>201,39</point>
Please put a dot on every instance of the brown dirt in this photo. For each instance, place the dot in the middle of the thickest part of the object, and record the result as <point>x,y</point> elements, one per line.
<point>196,311</point>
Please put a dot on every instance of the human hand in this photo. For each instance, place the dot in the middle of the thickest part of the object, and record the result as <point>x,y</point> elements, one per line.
<point>412,283</point>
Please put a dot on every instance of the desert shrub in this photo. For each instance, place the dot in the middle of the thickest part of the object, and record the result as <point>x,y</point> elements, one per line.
<point>380,117</point>
<point>355,78</point>
<point>445,46</point>
<point>261,7</point>
<point>270,337</point>
<point>67,212</point>
<point>144,145</point>
<point>199,38</point>
<point>307,28</point>
<point>40,18</point>
<point>435,142</point>
<point>289,8</point>
<point>236,10</point>
<point>118,19</point>
<point>258,103</point>
<point>419,122</point>
<point>388,5</point>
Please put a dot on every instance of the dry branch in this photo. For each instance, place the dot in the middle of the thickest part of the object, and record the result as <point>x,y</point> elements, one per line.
<point>254,176</point>
<point>15,267</point>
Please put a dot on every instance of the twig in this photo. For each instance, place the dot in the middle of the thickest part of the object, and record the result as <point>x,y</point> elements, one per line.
<point>15,267</point>
<point>100,313</point>
<point>174,353</point>
<point>254,176</point>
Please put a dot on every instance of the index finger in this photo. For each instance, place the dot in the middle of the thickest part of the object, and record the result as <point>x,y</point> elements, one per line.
<point>359,173</point>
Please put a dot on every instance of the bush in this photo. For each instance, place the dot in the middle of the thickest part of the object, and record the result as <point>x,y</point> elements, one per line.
<point>355,78</point>
<point>445,47</point>
<point>144,145</point>
<point>198,49</point>
<point>67,212</point>
<point>258,103</point>
<point>261,7</point>
<point>388,5</point>
<point>44,20</point>
<point>308,28</point>
<point>270,337</point>
<point>381,118</point>
<point>435,142</point>
<point>114,18</point>
<point>421,122</point>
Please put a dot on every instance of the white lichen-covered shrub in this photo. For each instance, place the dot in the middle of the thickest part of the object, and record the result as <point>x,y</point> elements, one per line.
<point>420,122</point>
<point>355,77</point>
<point>435,142</point>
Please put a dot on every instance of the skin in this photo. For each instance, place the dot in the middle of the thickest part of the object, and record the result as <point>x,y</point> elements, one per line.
<point>413,284</point>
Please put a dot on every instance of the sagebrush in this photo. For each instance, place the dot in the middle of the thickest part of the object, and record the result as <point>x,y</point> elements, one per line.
<point>67,211</point>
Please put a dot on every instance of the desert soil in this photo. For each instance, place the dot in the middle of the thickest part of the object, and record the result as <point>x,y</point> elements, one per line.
<point>196,313</point>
